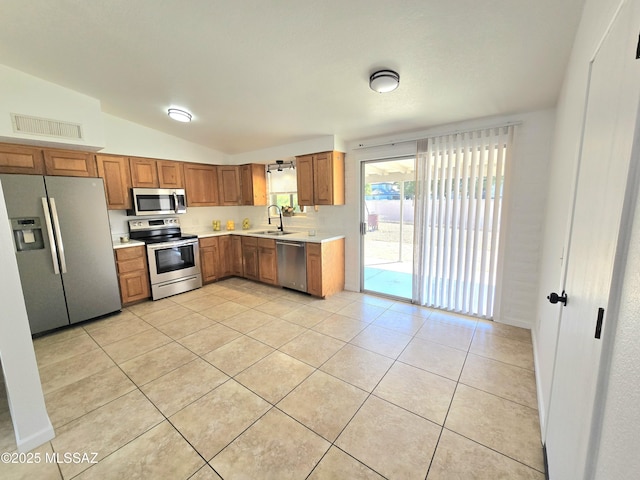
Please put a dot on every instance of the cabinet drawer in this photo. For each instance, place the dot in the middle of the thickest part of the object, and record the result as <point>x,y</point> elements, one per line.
<point>132,265</point>
<point>266,243</point>
<point>314,248</point>
<point>123,254</point>
<point>208,242</point>
<point>250,241</point>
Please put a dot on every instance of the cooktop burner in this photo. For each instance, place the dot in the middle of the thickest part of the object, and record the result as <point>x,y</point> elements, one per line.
<point>157,230</point>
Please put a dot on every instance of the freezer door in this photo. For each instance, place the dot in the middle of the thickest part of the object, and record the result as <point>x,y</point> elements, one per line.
<point>42,288</point>
<point>87,262</point>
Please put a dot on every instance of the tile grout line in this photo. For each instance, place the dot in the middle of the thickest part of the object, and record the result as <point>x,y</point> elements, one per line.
<point>394,359</point>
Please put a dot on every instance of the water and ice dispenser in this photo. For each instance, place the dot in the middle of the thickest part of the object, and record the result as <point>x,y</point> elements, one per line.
<point>27,234</point>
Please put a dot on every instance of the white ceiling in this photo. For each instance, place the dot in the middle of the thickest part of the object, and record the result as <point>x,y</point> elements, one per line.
<point>262,73</point>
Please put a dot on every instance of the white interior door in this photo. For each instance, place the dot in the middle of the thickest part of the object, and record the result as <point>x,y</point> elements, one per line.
<point>610,127</point>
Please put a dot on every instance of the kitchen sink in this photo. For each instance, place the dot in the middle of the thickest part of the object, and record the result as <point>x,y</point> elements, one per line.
<point>272,232</point>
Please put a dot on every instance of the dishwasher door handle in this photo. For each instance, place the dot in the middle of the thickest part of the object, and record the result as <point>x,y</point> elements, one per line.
<point>300,245</point>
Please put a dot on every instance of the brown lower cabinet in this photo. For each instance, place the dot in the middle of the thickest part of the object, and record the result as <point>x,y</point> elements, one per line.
<point>133,274</point>
<point>209,255</point>
<point>218,258</point>
<point>224,261</point>
<point>325,268</point>
<point>236,256</point>
<point>267,261</point>
<point>256,259</point>
<point>250,258</point>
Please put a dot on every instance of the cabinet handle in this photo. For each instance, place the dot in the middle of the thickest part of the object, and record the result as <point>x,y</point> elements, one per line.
<point>56,224</point>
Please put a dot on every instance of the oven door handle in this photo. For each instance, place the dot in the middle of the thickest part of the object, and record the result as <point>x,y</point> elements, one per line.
<point>178,243</point>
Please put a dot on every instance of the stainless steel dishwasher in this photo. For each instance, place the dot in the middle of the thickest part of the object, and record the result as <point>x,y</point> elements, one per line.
<point>292,264</point>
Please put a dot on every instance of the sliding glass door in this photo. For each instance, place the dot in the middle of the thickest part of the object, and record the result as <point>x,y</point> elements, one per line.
<point>431,223</point>
<point>387,226</point>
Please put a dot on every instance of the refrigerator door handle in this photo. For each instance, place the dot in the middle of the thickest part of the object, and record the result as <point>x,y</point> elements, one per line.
<point>52,242</point>
<point>56,224</point>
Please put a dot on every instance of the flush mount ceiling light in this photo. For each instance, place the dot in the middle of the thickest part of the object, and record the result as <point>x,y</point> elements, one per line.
<point>180,115</point>
<point>384,81</point>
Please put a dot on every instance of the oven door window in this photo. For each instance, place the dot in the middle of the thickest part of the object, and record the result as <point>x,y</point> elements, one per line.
<point>175,258</point>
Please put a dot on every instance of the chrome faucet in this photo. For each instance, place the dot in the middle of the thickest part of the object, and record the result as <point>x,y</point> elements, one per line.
<point>281,228</point>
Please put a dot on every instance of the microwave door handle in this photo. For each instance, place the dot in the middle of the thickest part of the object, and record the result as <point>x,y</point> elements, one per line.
<point>175,202</point>
<point>56,224</point>
<point>52,242</point>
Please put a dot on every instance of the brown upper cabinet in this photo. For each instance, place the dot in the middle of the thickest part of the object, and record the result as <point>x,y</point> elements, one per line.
<point>201,184</point>
<point>117,180</point>
<point>320,178</point>
<point>69,163</point>
<point>152,173</point>
<point>254,184</point>
<point>144,172</point>
<point>229,184</point>
<point>170,174</point>
<point>19,159</point>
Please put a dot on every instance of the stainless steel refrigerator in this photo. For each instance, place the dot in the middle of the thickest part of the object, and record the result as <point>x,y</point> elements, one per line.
<point>62,242</point>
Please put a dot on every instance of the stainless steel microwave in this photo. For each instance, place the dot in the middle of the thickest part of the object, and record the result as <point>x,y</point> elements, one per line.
<point>158,201</point>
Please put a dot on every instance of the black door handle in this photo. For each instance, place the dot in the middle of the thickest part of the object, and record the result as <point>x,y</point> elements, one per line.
<point>553,297</point>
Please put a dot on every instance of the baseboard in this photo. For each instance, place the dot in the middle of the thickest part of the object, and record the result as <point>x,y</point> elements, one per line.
<point>542,411</point>
<point>546,463</point>
<point>36,439</point>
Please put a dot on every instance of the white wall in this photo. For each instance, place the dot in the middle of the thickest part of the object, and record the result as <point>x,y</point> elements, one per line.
<point>128,138</point>
<point>524,214</point>
<point>24,391</point>
<point>325,143</point>
<point>28,95</point>
<point>570,111</point>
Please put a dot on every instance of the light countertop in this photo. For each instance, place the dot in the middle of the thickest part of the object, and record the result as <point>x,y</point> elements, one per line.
<point>296,235</point>
<point>115,240</point>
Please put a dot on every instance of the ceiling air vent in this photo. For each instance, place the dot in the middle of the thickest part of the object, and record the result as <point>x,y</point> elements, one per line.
<point>44,126</point>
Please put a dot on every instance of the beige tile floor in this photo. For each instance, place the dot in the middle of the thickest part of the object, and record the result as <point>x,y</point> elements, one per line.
<point>243,380</point>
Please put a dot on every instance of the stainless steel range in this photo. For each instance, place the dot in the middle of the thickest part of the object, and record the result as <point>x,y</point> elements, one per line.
<point>174,259</point>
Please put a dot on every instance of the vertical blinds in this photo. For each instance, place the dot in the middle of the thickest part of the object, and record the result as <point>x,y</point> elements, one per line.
<point>458,210</point>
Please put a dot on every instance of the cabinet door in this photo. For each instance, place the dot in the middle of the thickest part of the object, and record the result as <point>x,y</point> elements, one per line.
<point>144,173</point>
<point>236,256</point>
<point>250,257</point>
<point>134,287</point>
<point>314,269</point>
<point>117,181</point>
<point>17,159</point>
<point>328,178</point>
<point>208,257</point>
<point>304,173</point>
<point>254,184</point>
<point>133,275</point>
<point>201,184</point>
<point>229,185</point>
<point>267,261</point>
<point>69,163</point>
<point>170,174</point>
<point>225,259</point>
